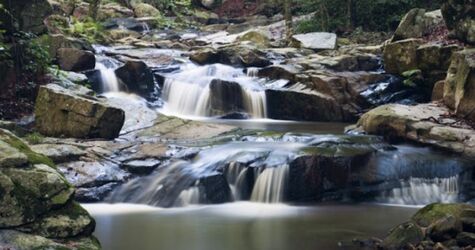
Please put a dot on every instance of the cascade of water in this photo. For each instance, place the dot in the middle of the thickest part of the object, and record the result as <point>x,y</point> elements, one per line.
<point>189,92</point>
<point>145,27</point>
<point>270,185</point>
<point>252,72</point>
<point>107,67</point>
<point>422,191</point>
<point>188,197</point>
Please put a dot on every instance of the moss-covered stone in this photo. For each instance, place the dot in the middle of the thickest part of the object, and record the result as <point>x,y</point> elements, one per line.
<point>402,236</point>
<point>11,239</point>
<point>69,221</point>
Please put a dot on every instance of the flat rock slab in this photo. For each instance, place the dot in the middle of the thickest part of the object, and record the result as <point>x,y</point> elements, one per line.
<point>92,174</point>
<point>424,123</point>
<point>316,40</point>
<point>59,153</point>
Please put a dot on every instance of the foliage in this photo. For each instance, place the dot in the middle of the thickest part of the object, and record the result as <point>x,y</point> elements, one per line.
<point>88,30</point>
<point>371,15</point>
<point>29,54</point>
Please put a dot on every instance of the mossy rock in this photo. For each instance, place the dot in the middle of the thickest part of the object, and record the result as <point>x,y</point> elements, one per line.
<point>434,212</point>
<point>69,221</point>
<point>403,235</point>
<point>257,38</point>
<point>11,239</point>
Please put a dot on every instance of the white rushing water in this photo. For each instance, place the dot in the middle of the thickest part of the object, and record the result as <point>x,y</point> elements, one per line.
<point>422,191</point>
<point>107,67</point>
<point>189,92</point>
<point>270,185</point>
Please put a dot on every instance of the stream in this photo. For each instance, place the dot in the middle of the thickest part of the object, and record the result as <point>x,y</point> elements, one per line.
<point>253,191</point>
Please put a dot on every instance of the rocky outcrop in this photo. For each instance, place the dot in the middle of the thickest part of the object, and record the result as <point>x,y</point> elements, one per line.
<point>61,113</point>
<point>36,210</point>
<point>401,56</point>
<point>225,97</point>
<point>113,10</point>
<point>439,226</point>
<point>418,23</point>
<point>55,42</point>
<point>459,17</point>
<point>137,76</point>
<point>239,56</point>
<point>424,123</point>
<point>459,89</point>
<point>315,40</point>
<point>71,59</point>
<point>28,15</point>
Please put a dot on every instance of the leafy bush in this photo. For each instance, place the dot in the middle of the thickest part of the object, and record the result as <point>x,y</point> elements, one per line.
<point>88,30</point>
<point>371,15</point>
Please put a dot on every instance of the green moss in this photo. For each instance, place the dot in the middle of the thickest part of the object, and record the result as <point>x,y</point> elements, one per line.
<point>33,157</point>
<point>34,138</point>
<point>436,211</point>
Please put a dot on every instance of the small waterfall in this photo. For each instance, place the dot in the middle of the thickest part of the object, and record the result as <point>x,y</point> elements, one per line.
<point>270,185</point>
<point>107,67</point>
<point>146,28</point>
<point>422,191</point>
<point>252,72</point>
<point>188,197</point>
<point>191,92</point>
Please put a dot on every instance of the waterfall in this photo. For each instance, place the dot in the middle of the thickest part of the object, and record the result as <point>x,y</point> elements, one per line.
<point>270,185</point>
<point>190,92</point>
<point>188,197</point>
<point>107,67</point>
<point>146,28</point>
<point>252,72</point>
<point>422,191</point>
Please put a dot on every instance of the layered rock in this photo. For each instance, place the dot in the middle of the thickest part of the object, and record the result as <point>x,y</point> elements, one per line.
<point>459,88</point>
<point>235,56</point>
<point>61,113</point>
<point>36,210</point>
<point>424,123</point>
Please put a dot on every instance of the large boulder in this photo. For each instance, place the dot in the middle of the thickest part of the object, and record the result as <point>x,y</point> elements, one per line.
<point>423,123</point>
<point>54,42</point>
<point>459,88</point>
<point>315,40</point>
<point>401,56</point>
<point>113,10</point>
<point>459,17</point>
<point>145,10</point>
<point>258,38</point>
<point>238,56</point>
<point>60,112</point>
<point>226,97</point>
<point>28,15</point>
<point>137,76</point>
<point>71,59</point>
<point>36,200</point>
<point>417,23</point>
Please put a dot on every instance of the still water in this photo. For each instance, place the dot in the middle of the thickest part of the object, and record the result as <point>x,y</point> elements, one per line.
<point>242,225</point>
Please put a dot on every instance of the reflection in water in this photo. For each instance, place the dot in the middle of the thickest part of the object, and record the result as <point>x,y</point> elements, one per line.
<point>238,226</point>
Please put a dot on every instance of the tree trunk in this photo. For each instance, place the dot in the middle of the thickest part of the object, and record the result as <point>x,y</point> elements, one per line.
<point>349,9</point>
<point>288,20</point>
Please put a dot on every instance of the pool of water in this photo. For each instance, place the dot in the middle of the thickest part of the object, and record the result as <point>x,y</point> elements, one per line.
<point>242,225</point>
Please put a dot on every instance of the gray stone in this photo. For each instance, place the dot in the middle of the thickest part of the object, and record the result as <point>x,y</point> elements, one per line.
<point>316,40</point>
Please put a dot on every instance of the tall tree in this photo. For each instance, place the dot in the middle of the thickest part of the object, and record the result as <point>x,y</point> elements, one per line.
<point>288,20</point>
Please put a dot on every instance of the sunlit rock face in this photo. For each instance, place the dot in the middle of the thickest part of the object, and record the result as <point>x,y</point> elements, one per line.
<point>59,112</point>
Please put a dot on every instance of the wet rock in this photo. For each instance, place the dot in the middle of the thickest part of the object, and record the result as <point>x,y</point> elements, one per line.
<point>315,40</point>
<point>145,10</point>
<point>94,194</point>
<point>459,88</point>
<point>401,56</point>
<point>236,116</point>
<point>403,236</point>
<point>59,153</point>
<point>277,72</point>
<point>304,106</point>
<point>214,189</point>
<point>71,59</point>
<point>137,76</point>
<point>141,167</point>
<point>422,123</point>
<point>226,97</point>
<point>458,16</point>
<point>92,174</point>
<point>59,112</point>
